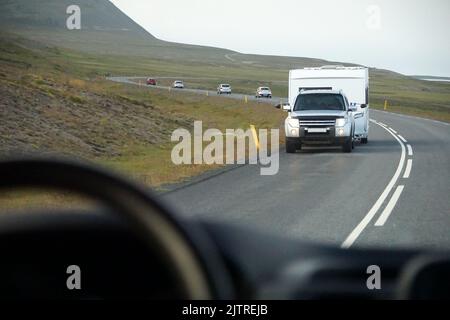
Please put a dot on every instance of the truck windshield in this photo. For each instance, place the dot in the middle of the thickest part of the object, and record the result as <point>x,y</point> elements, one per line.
<point>319,101</point>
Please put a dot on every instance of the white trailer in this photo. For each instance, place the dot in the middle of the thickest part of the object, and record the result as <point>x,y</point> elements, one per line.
<point>353,81</point>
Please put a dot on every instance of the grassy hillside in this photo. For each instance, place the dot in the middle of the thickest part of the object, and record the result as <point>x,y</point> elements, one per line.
<point>105,30</point>
<point>48,104</point>
<point>110,43</point>
<point>98,15</point>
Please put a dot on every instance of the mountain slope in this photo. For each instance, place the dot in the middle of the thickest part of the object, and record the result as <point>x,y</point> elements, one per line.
<point>112,43</point>
<point>96,15</point>
<point>104,30</point>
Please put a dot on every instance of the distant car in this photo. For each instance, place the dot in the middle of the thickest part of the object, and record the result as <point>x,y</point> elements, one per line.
<point>224,88</point>
<point>178,84</point>
<point>151,82</point>
<point>263,92</point>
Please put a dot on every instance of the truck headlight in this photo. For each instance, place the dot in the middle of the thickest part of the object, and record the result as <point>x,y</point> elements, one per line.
<point>340,122</point>
<point>293,122</point>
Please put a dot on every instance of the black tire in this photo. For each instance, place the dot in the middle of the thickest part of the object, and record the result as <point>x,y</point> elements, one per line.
<point>291,147</point>
<point>364,140</point>
<point>348,146</point>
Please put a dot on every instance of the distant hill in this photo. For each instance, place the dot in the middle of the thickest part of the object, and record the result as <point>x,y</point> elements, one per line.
<point>51,14</point>
<point>107,30</point>
<point>110,42</point>
<point>430,78</point>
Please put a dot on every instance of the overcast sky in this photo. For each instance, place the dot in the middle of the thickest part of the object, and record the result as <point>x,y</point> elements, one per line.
<point>411,37</point>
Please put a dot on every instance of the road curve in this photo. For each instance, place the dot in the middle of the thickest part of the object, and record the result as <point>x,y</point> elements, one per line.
<point>392,192</point>
<point>324,195</point>
<point>237,96</point>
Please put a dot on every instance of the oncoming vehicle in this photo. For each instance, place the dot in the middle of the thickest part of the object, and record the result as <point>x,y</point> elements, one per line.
<point>178,84</point>
<point>151,82</point>
<point>320,117</point>
<point>263,92</point>
<point>224,88</point>
<point>353,81</point>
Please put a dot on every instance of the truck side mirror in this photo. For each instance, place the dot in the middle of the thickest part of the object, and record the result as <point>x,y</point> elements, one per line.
<point>286,107</point>
<point>363,106</point>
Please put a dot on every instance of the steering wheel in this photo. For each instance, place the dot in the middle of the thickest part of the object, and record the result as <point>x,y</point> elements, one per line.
<point>184,250</point>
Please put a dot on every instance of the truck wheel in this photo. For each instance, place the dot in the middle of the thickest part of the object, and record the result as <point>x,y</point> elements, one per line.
<point>347,146</point>
<point>364,140</point>
<point>290,147</point>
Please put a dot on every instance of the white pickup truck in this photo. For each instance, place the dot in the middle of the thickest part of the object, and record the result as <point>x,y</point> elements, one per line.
<point>321,116</point>
<point>352,81</point>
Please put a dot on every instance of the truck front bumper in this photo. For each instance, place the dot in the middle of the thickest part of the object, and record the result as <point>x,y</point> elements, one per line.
<point>334,136</point>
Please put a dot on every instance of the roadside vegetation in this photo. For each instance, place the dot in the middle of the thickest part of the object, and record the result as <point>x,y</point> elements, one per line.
<point>50,104</point>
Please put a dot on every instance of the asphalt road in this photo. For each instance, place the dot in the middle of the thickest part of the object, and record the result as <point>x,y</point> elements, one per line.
<point>237,96</point>
<point>392,192</point>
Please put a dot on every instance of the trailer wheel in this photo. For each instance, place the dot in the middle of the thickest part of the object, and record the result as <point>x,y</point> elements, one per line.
<point>364,140</point>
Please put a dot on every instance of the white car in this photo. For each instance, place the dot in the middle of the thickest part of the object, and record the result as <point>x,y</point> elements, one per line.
<point>178,84</point>
<point>263,92</point>
<point>224,88</point>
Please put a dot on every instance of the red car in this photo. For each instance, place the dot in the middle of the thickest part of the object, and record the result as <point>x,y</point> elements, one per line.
<point>151,82</point>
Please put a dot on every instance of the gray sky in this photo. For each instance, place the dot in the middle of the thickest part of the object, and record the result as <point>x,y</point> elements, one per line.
<point>411,37</point>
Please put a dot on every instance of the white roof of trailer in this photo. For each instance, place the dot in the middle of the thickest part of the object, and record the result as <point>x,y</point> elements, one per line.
<point>330,72</point>
<point>325,91</point>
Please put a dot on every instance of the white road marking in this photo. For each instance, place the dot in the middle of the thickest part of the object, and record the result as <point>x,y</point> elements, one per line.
<point>410,152</point>
<point>408,169</point>
<point>390,206</point>
<point>393,130</point>
<point>403,139</point>
<point>373,211</point>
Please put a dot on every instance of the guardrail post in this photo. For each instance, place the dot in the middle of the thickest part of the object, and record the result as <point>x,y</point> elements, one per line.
<point>385,104</point>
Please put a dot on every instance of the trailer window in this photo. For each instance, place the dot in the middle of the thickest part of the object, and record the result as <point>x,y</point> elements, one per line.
<point>319,101</point>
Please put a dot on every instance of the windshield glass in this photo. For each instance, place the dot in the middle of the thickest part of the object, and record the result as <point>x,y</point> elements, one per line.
<point>96,81</point>
<point>319,101</point>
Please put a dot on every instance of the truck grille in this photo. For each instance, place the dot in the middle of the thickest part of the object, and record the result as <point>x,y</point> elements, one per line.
<point>317,121</point>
